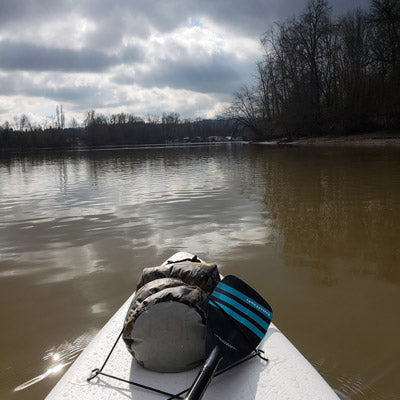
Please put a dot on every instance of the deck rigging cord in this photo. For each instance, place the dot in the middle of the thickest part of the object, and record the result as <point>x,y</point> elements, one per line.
<point>255,353</point>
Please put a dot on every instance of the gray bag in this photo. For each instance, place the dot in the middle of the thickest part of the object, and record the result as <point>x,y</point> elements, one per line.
<point>164,328</point>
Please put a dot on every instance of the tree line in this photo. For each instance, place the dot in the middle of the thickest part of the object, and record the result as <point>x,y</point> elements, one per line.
<point>321,74</point>
<point>117,129</point>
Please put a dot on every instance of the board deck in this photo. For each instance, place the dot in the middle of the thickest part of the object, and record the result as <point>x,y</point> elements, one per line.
<point>287,375</point>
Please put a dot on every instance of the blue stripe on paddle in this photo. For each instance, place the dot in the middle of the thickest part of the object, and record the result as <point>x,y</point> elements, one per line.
<point>241,308</point>
<point>243,297</point>
<point>239,318</point>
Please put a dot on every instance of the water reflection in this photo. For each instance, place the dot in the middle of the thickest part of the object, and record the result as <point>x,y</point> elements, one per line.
<point>156,198</point>
<point>334,209</point>
<point>312,227</point>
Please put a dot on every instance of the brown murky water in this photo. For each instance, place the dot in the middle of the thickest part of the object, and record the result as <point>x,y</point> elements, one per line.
<point>316,231</point>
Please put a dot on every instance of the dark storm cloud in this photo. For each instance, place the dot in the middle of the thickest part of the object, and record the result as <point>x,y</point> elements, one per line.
<point>250,18</point>
<point>130,54</point>
<point>12,11</point>
<point>254,17</point>
<point>31,57</point>
<point>113,19</point>
<point>218,73</point>
<point>16,83</point>
<point>65,94</point>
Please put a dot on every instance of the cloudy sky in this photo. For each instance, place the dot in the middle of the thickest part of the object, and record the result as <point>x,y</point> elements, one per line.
<point>137,56</point>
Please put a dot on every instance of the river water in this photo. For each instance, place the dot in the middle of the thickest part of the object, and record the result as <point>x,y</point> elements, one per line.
<point>315,230</point>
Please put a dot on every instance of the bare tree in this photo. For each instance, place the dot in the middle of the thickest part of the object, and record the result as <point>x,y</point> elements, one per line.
<point>74,123</point>
<point>89,118</point>
<point>320,74</point>
<point>23,122</point>
<point>62,117</point>
<point>6,126</point>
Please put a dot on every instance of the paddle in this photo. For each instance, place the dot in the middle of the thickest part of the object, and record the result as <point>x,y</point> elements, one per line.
<point>238,319</point>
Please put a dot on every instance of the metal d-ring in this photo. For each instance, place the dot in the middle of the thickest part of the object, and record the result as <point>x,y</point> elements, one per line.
<point>93,375</point>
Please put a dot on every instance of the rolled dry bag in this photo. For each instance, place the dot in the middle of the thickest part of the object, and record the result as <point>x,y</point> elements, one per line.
<point>164,328</point>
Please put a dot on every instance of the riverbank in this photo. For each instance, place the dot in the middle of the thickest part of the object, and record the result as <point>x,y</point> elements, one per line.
<point>365,139</point>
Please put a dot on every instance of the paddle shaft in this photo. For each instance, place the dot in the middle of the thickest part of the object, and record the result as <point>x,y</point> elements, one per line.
<point>206,373</point>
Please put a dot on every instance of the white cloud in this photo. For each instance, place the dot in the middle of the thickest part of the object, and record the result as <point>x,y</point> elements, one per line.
<point>129,55</point>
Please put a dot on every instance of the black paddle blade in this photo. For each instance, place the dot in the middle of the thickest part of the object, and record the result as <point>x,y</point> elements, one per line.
<point>238,319</point>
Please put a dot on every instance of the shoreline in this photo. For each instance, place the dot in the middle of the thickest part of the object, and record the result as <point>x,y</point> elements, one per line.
<point>377,138</point>
<point>112,147</point>
<point>381,138</point>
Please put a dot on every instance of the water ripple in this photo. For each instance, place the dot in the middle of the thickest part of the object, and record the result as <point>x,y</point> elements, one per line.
<point>59,357</point>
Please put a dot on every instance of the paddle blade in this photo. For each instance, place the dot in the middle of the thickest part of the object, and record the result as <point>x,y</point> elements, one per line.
<point>238,319</point>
